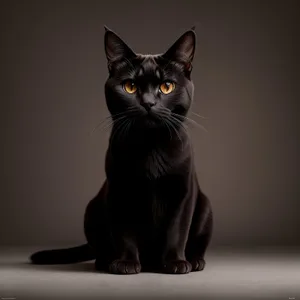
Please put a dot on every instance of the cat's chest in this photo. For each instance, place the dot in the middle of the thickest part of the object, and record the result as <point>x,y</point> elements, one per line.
<point>158,210</point>
<point>156,199</point>
<point>156,163</point>
<point>150,215</point>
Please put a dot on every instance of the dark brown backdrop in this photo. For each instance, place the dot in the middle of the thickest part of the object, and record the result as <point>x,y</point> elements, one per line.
<point>53,70</point>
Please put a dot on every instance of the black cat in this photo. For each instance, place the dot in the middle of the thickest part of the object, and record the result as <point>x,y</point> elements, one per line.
<point>150,213</point>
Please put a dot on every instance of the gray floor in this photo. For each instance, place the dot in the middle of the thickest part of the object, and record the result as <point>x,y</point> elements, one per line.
<point>261,273</point>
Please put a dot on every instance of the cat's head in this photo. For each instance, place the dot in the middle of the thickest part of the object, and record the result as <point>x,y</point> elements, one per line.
<point>152,90</point>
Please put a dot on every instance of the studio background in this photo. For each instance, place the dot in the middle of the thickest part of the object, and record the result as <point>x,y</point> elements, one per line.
<point>53,70</point>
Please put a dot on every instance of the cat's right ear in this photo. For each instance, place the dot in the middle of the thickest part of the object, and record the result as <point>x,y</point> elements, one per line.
<point>115,47</point>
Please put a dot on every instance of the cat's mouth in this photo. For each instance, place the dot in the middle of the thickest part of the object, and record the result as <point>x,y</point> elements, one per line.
<point>151,119</point>
<point>156,117</point>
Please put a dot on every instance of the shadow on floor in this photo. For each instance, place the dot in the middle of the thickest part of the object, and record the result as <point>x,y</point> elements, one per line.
<point>86,267</point>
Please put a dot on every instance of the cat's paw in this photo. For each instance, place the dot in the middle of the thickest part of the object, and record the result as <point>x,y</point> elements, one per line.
<point>198,264</point>
<point>120,266</point>
<point>177,267</point>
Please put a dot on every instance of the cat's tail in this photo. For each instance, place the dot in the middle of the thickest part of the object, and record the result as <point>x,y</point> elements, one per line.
<point>63,256</point>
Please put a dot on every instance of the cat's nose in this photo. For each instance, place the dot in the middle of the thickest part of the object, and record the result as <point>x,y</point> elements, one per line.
<point>148,105</point>
<point>148,101</point>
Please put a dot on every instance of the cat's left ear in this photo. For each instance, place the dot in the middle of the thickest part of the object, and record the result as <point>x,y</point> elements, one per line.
<point>183,49</point>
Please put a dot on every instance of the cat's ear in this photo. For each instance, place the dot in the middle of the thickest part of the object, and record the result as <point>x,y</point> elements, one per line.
<point>115,47</point>
<point>183,49</point>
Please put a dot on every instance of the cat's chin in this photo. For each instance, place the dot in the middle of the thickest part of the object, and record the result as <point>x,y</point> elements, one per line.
<point>151,123</point>
<point>150,120</point>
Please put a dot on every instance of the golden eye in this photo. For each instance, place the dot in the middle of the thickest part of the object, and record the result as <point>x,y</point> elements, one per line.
<point>130,87</point>
<point>167,87</point>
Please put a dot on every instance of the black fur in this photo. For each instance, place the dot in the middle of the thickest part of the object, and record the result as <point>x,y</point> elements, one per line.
<point>150,213</point>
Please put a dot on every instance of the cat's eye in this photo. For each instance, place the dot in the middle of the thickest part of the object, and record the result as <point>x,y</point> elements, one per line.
<point>167,87</point>
<point>129,87</point>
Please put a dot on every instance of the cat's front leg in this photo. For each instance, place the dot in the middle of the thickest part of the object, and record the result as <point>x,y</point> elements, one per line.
<point>200,233</point>
<point>127,256</point>
<point>176,234</point>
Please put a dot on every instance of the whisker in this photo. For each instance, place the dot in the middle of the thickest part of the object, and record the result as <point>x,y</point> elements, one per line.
<point>166,124</point>
<point>176,132</point>
<point>117,127</point>
<point>181,117</point>
<point>110,118</point>
<point>199,115</point>
<point>115,121</point>
<point>121,124</point>
<point>191,120</point>
<point>98,125</point>
<point>122,128</point>
<point>170,117</point>
<point>179,123</point>
<point>127,128</point>
<point>190,98</point>
<point>126,112</point>
<point>110,121</point>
